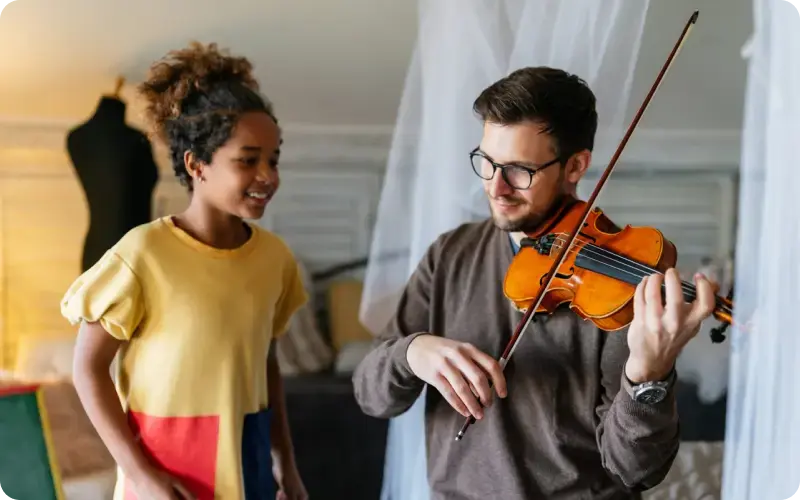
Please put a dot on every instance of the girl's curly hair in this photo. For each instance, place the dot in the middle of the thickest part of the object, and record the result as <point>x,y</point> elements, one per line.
<point>194,98</point>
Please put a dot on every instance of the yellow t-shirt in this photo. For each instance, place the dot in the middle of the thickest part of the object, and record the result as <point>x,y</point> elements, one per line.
<point>197,324</point>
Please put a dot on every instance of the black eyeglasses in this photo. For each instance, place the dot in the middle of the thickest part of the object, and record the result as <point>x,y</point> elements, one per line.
<point>516,176</point>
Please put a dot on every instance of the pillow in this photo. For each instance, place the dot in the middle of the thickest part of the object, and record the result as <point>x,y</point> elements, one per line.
<point>344,301</point>
<point>348,358</point>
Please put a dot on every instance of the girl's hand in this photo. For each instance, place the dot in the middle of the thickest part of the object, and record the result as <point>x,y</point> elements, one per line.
<point>159,485</point>
<point>290,486</point>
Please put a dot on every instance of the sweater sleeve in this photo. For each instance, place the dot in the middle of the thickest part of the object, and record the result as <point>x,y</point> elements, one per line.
<point>638,442</point>
<point>383,382</point>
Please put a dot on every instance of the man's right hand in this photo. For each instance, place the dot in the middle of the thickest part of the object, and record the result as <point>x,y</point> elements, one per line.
<point>458,370</point>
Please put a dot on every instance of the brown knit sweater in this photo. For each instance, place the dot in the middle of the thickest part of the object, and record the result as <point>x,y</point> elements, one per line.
<point>567,430</point>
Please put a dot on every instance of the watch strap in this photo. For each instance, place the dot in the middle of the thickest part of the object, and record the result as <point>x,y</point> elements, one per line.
<point>633,388</point>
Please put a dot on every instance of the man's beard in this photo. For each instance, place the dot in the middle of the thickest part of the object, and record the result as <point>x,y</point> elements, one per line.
<point>529,223</point>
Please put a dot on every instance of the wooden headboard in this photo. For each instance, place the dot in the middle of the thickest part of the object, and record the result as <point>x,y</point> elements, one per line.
<point>695,210</point>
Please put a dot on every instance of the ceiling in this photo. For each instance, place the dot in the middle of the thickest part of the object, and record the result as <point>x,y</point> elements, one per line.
<point>325,62</point>
<point>320,61</point>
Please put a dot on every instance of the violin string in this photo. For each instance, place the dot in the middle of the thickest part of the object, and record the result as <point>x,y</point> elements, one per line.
<point>689,289</point>
<point>640,273</point>
<point>631,270</point>
<point>593,248</point>
<point>641,269</point>
<point>622,260</point>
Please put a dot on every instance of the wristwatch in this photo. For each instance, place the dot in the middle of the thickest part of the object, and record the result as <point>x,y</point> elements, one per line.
<point>651,392</point>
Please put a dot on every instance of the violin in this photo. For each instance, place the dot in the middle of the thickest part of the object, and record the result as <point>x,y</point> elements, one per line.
<point>599,274</point>
<point>579,257</point>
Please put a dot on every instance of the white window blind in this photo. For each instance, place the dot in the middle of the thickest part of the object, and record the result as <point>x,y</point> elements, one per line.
<point>325,215</point>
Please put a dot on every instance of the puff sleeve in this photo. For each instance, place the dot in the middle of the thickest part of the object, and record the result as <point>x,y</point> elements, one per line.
<point>293,297</point>
<point>109,293</point>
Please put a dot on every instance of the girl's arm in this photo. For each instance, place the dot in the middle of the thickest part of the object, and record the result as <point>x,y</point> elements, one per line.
<point>290,484</point>
<point>94,351</point>
<point>280,435</point>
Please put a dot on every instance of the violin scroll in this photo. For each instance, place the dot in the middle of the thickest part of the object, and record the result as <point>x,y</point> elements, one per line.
<point>717,333</point>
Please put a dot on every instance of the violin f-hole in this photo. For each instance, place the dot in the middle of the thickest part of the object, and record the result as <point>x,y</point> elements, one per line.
<point>566,276</point>
<point>562,276</point>
<point>587,236</point>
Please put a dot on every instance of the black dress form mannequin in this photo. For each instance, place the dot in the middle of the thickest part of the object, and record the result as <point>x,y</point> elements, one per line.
<point>115,165</point>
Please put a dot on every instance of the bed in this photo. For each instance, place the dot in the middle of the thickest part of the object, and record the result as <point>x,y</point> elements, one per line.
<point>697,471</point>
<point>324,416</point>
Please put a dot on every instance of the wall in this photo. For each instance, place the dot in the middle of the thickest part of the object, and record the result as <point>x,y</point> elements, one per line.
<point>325,210</point>
<point>329,62</point>
<point>42,221</point>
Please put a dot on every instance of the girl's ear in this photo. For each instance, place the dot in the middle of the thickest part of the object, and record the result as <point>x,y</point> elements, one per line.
<point>192,166</point>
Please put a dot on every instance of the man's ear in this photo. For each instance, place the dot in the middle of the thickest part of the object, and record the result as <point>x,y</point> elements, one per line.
<point>577,165</point>
<point>192,166</point>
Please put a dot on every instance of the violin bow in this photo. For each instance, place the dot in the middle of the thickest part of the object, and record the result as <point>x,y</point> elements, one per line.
<point>529,313</point>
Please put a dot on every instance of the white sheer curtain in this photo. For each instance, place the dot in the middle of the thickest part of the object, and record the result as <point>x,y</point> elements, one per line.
<point>463,46</point>
<point>762,445</point>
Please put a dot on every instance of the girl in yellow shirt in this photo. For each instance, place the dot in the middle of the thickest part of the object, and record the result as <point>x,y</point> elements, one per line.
<point>193,302</point>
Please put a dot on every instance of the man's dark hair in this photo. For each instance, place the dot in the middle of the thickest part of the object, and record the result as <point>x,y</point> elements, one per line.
<point>560,101</point>
<point>195,97</point>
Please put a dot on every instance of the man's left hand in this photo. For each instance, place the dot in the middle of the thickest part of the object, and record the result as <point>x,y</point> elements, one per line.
<point>659,331</point>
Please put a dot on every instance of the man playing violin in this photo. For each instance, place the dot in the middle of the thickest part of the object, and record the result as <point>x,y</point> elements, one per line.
<point>581,413</point>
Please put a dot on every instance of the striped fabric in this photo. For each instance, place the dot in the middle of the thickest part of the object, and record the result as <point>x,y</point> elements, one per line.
<point>303,348</point>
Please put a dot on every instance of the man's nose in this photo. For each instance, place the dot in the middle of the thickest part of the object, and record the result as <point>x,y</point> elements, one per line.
<point>498,185</point>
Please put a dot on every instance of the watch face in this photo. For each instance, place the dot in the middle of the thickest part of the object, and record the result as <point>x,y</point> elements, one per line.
<point>651,395</point>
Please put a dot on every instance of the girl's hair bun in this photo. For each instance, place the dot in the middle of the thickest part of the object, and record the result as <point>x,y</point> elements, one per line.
<point>177,81</point>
